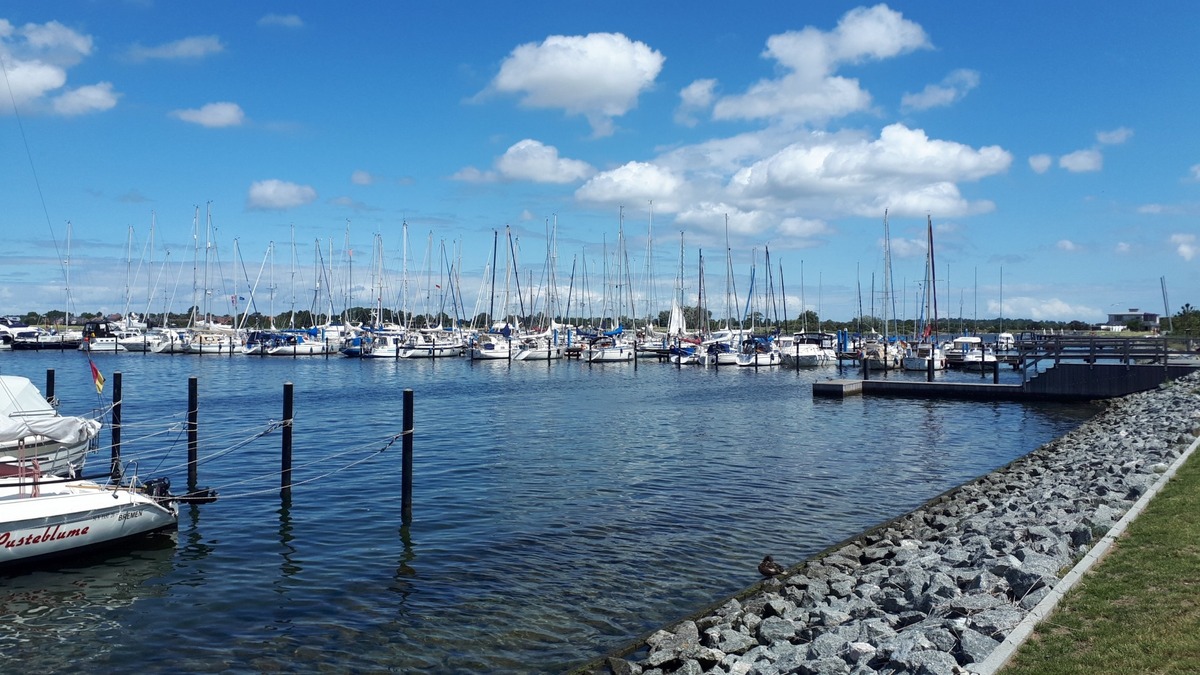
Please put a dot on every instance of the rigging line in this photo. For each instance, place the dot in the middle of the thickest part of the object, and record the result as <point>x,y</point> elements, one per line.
<point>220,453</point>
<point>29,155</point>
<point>315,478</point>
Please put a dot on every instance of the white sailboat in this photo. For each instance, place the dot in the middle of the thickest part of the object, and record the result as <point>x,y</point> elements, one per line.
<point>926,351</point>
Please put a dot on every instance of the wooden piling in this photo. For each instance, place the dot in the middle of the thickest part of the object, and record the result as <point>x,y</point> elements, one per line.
<point>192,418</point>
<point>50,386</point>
<point>996,371</point>
<point>407,460</point>
<point>285,473</point>
<point>115,466</point>
<point>929,364</point>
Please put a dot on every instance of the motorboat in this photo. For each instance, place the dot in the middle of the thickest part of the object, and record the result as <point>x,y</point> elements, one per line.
<point>100,336</point>
<point>918,357</point>
<point>33,434</point>
<point>758,352</point>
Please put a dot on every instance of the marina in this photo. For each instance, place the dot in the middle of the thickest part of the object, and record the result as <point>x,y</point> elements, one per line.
<point>560,509</point>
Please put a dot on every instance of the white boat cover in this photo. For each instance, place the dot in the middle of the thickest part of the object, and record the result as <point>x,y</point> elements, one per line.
<point>25,412</point>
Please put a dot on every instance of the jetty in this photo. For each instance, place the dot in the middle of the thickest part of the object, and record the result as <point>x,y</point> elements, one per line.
<point>1059,368</point>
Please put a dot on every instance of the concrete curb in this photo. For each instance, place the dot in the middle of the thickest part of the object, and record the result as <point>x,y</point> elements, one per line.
<point>1000,656</point>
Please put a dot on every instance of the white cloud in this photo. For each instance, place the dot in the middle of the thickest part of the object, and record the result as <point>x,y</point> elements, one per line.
<point>529,160</point>
<point>599,75</point>
<point>634,183</point>
<point>1082,161</point>
<point>50,42</point>
<point>1043,309</point>
<point>274,194</point>
<point>36,60</point>
<point>1067,245</point>
<point>196,47</point>
<point>92,98</point>
<point>951,89</point>
<point>902,169</point>
<point>1122,247</point>
<point>1194,174</point>
<point>281,20</point>
<point>694,98</point>
<point>1040,163</point>
<point>532,161</point>
<point>361,177</point>
<point>1185,245</point>
<point>809,90</point>
<point>804,228</point>
<point>1115,137</point>
<point>470,174</point>
<point>222,114</point>
<point>906,248</point>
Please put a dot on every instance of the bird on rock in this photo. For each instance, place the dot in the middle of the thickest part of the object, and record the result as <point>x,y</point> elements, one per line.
<point>769,568</point>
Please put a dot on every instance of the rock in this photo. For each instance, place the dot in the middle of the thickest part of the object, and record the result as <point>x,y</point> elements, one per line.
<point>776,629</point>
<point>975,646</point>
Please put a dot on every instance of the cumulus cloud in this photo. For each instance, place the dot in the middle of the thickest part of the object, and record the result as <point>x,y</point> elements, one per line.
<point>83,100</point>
<point>902,169</point>
<point>37,57</point>
<point>274,194</point>
<point>196,47</point>
<point>1067,245</point>
<point>694,98</point>
<point>281,20</point>
<point>529,160</point>
<point>1082,161</point>
<point>361,177</point>
<point>634,182</point>
<point>1185,245</point>
<point>1040,163</point>
<point>1122,247</point>
<point>1115,137</point>
<point>532,161</point>
<point>953,88</point>
<point>809,90</point>
<point>213,115</point>
<point>598,76</point>
<point>1194,174</point>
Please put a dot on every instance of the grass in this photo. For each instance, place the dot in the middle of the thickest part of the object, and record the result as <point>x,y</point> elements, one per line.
<point>1138,610</point>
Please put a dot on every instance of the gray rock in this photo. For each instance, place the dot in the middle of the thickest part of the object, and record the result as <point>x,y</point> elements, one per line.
<point>997,621</point>
<point>733,642</point>
<point>776,629</point>
<point>975,646</point>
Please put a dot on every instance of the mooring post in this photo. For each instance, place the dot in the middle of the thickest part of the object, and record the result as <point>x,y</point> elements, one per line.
<point>50,386</point>
<point>996,371</point>
<point>407,460</point>
<point>115,472</point>
<point>285,473</point>
<point>929,364</point>
<point>192,416</point>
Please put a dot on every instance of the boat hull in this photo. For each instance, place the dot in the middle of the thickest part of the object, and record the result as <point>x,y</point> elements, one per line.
<point>62,519</point>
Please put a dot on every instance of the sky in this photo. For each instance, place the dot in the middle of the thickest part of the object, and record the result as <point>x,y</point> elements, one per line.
<point>158,152</point>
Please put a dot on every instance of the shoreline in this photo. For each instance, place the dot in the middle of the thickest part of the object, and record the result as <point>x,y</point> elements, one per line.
<point>942,588</point>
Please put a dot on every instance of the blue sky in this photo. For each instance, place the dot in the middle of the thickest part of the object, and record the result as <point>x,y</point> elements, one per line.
<point>1054,146</point>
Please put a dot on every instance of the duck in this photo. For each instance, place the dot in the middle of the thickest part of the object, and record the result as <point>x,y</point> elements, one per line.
<point>769,568</point>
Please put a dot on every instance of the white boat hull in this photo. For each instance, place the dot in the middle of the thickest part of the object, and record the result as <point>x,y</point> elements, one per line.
<point>46,520</point>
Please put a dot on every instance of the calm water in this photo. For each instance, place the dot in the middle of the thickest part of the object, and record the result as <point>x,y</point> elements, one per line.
<point>559,511</point>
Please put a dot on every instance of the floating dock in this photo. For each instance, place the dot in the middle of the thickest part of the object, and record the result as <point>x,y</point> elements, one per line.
<point>1063,382</point>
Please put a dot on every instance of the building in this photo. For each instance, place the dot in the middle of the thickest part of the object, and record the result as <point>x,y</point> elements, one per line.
<point>1134,318</point>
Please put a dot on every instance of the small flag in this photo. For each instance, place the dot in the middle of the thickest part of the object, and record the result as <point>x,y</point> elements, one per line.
<point>97,378</point>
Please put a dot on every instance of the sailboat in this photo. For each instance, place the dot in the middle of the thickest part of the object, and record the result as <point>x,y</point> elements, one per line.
<point>925,350</point>
<point>879,352</point>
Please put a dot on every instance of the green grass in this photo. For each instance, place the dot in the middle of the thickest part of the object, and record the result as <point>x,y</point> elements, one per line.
<point>1138,610</point>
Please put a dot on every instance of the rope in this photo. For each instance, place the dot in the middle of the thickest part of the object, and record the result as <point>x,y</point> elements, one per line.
<point>390,442</point>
